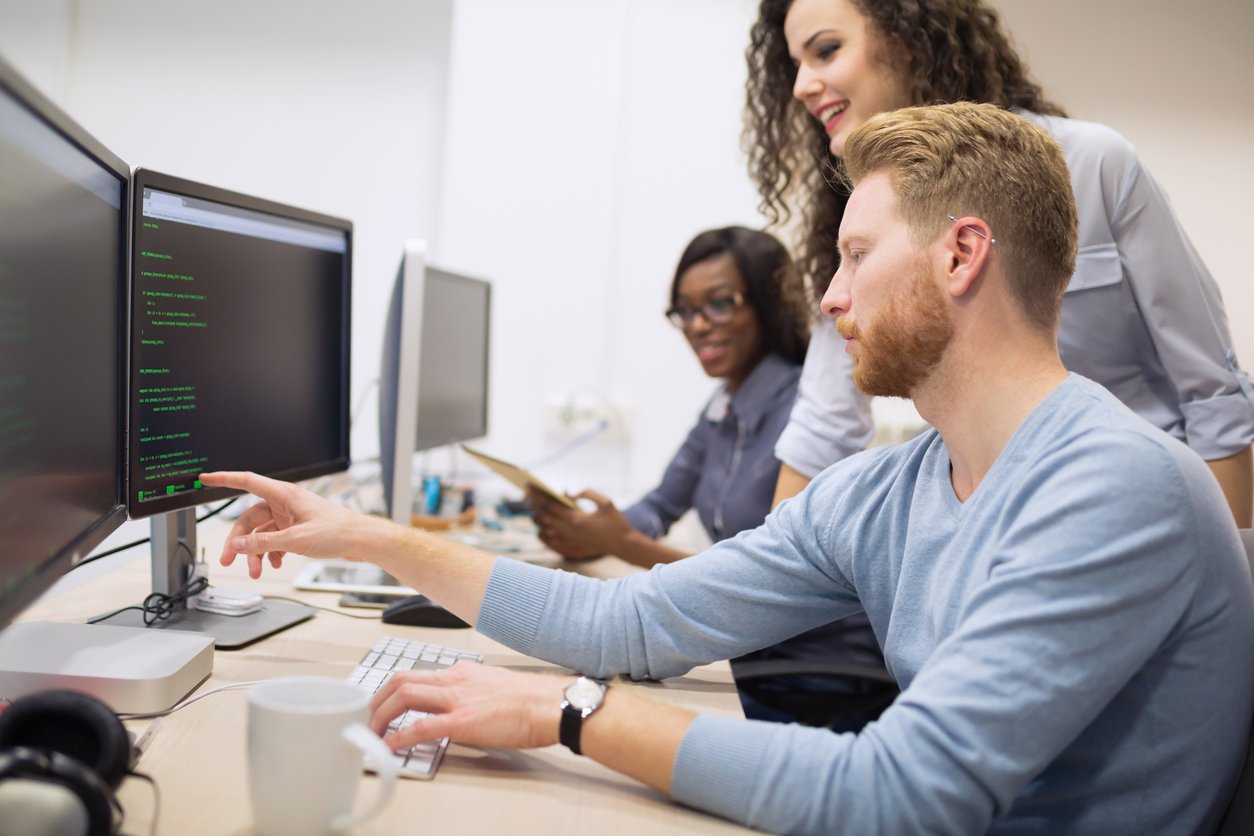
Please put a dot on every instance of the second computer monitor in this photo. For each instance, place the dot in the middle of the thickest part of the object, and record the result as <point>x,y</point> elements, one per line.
<point>239,343</point>
<point>433,387</point>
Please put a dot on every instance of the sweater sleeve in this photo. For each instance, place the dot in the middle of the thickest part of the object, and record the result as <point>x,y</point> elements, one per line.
<point>676,616</point>
<point>1068,618</point>
<point>1055,647</point>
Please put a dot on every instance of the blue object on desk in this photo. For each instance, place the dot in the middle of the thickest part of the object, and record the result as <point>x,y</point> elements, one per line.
<point>431,494</point>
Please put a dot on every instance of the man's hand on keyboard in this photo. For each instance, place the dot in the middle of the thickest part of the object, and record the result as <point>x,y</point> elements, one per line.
<point>471,703</point>
<point>288,519</point>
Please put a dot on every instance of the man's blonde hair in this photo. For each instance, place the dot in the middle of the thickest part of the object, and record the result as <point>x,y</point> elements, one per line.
<point>980,160</point>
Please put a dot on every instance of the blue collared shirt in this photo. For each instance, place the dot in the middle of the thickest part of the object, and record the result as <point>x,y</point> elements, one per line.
<point>726,468</point>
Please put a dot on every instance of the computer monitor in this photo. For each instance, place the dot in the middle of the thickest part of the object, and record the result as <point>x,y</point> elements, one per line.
<point>433,381</point>
<point>63,233</point>
<point>63,298</point>
<point>239,360</point>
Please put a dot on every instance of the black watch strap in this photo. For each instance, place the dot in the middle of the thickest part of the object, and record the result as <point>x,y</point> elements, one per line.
<point>570,727</point>
<point>581,698</point>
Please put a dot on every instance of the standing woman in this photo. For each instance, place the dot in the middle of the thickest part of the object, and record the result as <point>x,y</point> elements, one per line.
<point>1142,315</point>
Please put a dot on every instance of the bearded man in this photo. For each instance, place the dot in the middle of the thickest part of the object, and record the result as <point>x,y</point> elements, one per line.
<point>1057,585</point>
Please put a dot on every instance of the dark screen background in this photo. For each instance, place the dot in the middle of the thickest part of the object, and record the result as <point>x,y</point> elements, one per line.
<point>61,282</point>
<point>254,376</point>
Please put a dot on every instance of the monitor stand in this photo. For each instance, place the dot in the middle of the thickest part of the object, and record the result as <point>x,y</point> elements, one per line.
<point>174,565</point>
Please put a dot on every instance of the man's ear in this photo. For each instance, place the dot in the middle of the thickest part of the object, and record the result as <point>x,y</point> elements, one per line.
<point>966,248</point>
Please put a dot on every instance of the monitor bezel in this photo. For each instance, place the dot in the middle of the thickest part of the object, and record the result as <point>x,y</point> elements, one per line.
<point>73,552</point>
<point>146,178</point>
<point>400,379</point>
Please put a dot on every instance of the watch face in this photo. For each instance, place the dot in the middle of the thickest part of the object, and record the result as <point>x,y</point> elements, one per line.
<point>584,693</point>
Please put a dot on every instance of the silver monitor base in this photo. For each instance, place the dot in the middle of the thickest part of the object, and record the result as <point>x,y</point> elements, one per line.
<point>228,631</point>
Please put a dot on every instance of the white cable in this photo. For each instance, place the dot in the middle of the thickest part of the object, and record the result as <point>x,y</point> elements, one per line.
<point>191,700</point>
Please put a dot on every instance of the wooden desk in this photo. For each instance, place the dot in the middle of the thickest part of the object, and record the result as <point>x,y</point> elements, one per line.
<point>198,755</point>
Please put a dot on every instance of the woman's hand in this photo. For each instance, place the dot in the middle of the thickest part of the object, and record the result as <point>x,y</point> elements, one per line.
<point>576,534</point>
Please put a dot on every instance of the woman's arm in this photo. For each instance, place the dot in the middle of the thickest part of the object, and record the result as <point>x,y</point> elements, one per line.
<point>580,535</point>
<point>1184,314</point>
<point>831,419</point>
<point>790,484</point>
<point>1236,477</point>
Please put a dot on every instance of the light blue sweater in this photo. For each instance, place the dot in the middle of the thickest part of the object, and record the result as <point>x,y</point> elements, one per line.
<point>1075,642</point>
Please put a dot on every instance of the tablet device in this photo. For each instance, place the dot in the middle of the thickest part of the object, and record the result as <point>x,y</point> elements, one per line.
<point>518,476</point>
<point>348,576</point>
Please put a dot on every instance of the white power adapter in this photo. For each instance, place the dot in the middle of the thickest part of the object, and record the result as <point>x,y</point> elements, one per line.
<point>226,601</point>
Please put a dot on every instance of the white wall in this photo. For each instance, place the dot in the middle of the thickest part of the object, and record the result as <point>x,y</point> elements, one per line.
<point>1174,78</point>
<point>587,143</point>
<point>307,102</point>
<point>299,101</point>
<point>568,149</point>
<point>35,37</point>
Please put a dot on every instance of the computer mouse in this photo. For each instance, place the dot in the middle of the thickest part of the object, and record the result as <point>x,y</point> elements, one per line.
<point>420,611</point>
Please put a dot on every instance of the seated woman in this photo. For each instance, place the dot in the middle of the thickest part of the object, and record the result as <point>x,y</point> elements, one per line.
<point>742,307</point>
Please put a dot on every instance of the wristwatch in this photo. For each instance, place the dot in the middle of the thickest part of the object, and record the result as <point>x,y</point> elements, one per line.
<point>582,697</point>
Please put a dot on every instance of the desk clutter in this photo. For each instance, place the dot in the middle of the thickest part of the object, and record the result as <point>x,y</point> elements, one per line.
<point>63,753</point>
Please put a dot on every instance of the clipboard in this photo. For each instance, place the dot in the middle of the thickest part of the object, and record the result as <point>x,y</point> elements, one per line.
<point>519,477</point>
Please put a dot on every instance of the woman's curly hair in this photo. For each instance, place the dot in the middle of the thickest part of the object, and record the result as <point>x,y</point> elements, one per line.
<point>955,50</point>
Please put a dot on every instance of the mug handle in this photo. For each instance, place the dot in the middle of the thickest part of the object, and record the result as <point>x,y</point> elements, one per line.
<point>384,765</point>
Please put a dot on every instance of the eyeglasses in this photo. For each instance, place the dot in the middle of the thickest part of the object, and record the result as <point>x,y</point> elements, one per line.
<point>717,311</point>
<point>976,231</point>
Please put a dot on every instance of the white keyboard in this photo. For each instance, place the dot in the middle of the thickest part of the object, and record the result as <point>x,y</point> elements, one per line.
<point>389,655</point>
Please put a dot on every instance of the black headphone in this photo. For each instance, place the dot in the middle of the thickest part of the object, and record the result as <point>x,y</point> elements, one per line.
<point>62,754</point>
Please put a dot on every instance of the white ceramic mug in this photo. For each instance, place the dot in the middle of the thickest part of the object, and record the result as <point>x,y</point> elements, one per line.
<point>307,738</point>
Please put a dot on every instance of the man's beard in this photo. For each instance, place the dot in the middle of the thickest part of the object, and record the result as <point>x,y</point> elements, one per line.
<point>901,346</point>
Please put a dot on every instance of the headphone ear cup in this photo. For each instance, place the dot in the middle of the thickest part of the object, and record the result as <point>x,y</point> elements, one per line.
<point>72,724</point>
<point>48,792</point>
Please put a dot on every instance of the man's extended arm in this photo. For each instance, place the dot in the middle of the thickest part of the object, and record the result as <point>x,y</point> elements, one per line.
<point>630,733</point>
<point>291,519</point>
